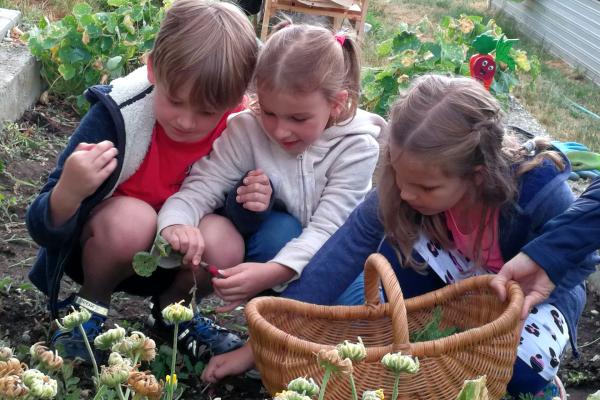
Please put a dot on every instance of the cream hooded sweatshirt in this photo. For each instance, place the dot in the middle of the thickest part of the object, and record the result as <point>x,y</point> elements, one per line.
<point>319,187</point>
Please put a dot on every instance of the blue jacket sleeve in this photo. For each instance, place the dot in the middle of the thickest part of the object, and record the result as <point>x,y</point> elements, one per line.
<point>341,259</point>
<point>565,245</point>
<point>95,126</point>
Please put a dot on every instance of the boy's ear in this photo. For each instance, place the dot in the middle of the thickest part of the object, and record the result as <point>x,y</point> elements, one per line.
<point>339,103</point>
<point>150,70</point>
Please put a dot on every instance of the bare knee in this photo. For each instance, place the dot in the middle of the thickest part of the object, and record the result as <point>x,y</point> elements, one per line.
<point>224,246</point>
<point>120,228</point>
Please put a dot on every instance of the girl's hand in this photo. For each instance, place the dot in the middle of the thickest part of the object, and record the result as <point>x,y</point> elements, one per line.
<point>245,280</point>
<point>235,362</point>
<point>255,194</point>
<point>86,169</point>
<point>534,281</point>
<point>187,240</point>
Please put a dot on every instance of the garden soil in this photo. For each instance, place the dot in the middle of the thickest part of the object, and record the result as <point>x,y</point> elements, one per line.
<point>28,154</point>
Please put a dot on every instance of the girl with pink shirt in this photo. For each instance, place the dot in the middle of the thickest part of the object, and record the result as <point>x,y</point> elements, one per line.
<point>457,197</point>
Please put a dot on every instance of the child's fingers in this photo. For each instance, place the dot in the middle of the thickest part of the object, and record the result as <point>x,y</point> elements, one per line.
<point>229,306</point>
<point>256,197</point>
<point>84,146</point>
<point>105,158</point>
<point>107,169</point>
<point>261,179</point>
<point>255,206</point>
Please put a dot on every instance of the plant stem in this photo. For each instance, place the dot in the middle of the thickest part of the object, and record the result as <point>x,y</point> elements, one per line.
<point>91,353</point>
<point>353,386</point>
<point>120,392</point>
<point>173,359</point>
<point>136,357</point>
<point>324,383</point>
<point>396,382</point>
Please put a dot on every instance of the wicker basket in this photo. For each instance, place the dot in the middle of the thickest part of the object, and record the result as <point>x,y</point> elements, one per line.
<point>286,334</point>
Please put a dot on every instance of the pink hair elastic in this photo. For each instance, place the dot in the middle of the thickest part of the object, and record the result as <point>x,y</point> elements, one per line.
<point>341,38</point>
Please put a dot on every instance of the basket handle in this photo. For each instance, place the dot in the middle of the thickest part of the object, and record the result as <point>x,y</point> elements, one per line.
<point>377,267</point>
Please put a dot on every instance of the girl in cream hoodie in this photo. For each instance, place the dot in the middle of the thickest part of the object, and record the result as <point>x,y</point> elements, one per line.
<point>308,149</point>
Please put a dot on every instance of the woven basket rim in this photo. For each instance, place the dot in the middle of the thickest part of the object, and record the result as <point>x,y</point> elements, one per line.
<point>504,323</point>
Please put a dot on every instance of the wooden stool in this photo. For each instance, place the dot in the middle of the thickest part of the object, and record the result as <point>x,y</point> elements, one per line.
<point>338,10</point>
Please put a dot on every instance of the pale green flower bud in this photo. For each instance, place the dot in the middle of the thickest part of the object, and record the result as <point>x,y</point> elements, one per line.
<point>124,346</point>
<point>74,319</point>
<point>354,351</point>
<point>106,340</point>
<point>290,395</point>
<point>177,312</point>
<point>115,358</point>
<point>373,395</point>
<point>30,375</point>
<point>304,386</point>
<point>5,353</point>
<point>114,375</point>
<point>40,385</point>
<point>594,396</point>
<point>474,390</point>
<point>397,363</point>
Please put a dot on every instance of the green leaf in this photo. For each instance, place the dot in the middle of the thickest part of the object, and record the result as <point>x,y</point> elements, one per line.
<point>117,3</point>
<point>484,43</point>
<point>452,52</point>
<point>113,63</point>
<point>67,71</point>
<point>405,40</point>
<point>144,263</point>
<point>81,9</point>
<point>384,48</point>
<point>434,48</point>
<point>503,48</point>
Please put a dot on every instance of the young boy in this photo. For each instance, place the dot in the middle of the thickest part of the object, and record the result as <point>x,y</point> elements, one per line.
<point>131,151</point>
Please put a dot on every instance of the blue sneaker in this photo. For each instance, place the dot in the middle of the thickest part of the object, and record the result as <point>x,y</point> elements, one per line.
<point>70,345</point>
<point>199,338</point>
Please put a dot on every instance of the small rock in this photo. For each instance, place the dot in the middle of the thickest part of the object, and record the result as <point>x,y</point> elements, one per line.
<point>594,312</point>
<point>595,358</point>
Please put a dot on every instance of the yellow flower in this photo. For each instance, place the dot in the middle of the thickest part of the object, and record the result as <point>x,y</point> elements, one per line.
<point>408,58</point>
<point>290,395</point>
<point>522,60</point>
<point>466,25</point>
<point>177,312</point>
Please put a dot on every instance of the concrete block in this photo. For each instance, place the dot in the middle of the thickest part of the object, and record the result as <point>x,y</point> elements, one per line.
<point>20,82</point>
<point>8,19</point>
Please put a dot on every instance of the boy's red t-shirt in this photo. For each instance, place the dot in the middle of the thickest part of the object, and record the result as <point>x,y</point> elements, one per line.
<point>166,165</point>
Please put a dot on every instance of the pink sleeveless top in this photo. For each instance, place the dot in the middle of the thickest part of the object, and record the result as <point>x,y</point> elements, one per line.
<point>490,245</point>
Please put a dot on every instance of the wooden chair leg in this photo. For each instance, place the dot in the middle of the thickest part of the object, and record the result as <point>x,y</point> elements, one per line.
<point>265,22</point>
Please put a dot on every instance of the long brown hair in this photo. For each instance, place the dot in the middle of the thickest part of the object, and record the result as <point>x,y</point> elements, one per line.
<point>307,58</point>
<point>454,124</point>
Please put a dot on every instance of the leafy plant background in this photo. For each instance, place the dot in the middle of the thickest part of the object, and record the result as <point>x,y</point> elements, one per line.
<point>87,48</point>
<point>444,49</point>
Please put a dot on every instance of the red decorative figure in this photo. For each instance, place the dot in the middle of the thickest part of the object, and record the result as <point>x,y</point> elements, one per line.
<point>483,68</point>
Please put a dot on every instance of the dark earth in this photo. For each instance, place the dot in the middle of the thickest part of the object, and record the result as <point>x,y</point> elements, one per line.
<point>28,151</point>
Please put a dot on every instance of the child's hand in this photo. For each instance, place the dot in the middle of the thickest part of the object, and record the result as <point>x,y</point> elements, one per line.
<point>187,240</point>
<point>235,362</point>
<point>255,194</point>
<point>86,169</point>
<point>245,280</point>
